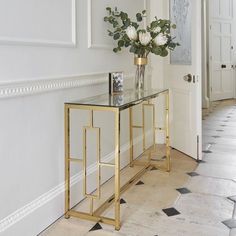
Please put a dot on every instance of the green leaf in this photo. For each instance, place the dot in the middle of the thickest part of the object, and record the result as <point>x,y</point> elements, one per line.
<point>115,50</point>
<point>135,25</point>
<point>132,49</point>
<point>116,36</point>
<point>126,23</point>
<point>109,10</point>
<point>164,53</point>
<point>139,17</point>
<point>123,16</point>
<point>154,24</point>
<point>174,26</point>
<point>144,12</point>
<point>115,24</point>
<point>121,43</point>
<point>156,50</point>
<point>127,44</point>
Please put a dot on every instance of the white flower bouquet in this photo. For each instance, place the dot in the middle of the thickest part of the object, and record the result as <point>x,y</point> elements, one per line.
<point>155,38</point>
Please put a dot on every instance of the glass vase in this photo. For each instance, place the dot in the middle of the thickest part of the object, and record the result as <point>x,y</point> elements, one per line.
<point>139,77</point>
<point>140,63</point>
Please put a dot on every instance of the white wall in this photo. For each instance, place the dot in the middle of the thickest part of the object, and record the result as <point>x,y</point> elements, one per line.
<point>50,52</point>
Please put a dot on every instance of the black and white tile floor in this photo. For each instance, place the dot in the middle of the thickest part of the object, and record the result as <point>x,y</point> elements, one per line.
<point>196,199</point>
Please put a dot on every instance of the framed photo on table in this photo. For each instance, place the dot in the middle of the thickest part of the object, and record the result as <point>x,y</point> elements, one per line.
<point>116,82</point>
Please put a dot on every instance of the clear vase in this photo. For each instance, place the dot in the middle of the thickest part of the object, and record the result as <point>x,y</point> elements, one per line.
<point>140,62</point>
<point>139,78</point>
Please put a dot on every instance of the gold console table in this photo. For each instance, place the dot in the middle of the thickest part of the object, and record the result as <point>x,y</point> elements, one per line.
<point>116,104</point>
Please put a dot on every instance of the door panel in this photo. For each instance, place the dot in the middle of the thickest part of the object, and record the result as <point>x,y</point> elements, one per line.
<point>216,8</point>
<point>226,50</point>
<point>185,115</point>
<point>216,83</point>
<point>220,50</point>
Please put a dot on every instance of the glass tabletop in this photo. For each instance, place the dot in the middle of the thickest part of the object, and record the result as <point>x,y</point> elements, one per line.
<point>122,100</point>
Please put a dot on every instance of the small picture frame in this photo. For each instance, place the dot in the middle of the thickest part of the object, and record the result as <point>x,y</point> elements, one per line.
<point>116,82</point>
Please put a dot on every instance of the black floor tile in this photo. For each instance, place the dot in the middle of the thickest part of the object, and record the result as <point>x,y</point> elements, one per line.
<point>207,151</point>
<point>96,227</point>
<point>171,211</point>
<point>154,168</point>
<point>231,224</point>
<point>201,161</point>
<point>183,190</point>
<point>192,174</point>
<point>232,198</point>
<point>122,201</point>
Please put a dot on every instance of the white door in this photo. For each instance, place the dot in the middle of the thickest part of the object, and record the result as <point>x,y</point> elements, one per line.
<point>220,49</point>
<point>185,118</point>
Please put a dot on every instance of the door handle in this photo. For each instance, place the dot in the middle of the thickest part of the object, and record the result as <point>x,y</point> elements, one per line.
<point>223,66</point>
<point>188,78</point>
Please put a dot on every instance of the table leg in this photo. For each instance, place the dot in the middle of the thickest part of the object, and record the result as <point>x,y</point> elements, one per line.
<point>67,161</point>
<point>117,170</point>
<point>131,136</point>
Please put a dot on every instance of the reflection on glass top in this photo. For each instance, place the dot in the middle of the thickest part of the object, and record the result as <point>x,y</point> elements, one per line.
<point>121,100</point>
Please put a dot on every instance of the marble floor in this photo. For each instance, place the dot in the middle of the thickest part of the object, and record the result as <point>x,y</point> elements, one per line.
<point>196,199</point>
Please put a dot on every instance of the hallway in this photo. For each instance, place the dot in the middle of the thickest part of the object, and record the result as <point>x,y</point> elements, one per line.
<point>194,199</point>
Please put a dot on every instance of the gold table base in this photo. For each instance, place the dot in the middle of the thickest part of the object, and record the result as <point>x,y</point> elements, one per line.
<point>95,215</point>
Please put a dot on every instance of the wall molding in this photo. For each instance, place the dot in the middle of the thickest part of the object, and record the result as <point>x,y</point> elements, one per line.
<point>32,87</point>
<point>90,33</point>
<point>44,199</point>
<point>44,42</point>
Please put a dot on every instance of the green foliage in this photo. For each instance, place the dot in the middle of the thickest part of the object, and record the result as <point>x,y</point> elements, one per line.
<point>120,21</point>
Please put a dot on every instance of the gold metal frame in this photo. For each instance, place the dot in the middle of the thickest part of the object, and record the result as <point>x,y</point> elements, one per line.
<point>95,215</point>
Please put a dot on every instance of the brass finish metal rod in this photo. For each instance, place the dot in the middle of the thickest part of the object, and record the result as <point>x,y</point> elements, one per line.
<point>94,217</point>
<point>143,120</point>
<point>154,125</point>
<point>107,164</point>
<point>85,128</point>
<point>67,163</point>
<point>91,206</point>
<point>91,118</point>
<point>75,160</point>
<point>84,161</point>
<point>131,136</point>
<point>94,108</point>
<point>117,169</point>
<point>98,162</point>
<point>137,126</point>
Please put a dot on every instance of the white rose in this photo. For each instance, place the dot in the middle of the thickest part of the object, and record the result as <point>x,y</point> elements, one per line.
<point>145,38</point>
<point>132,33</point>
<point>157,29</point>
<point>160,39</point>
